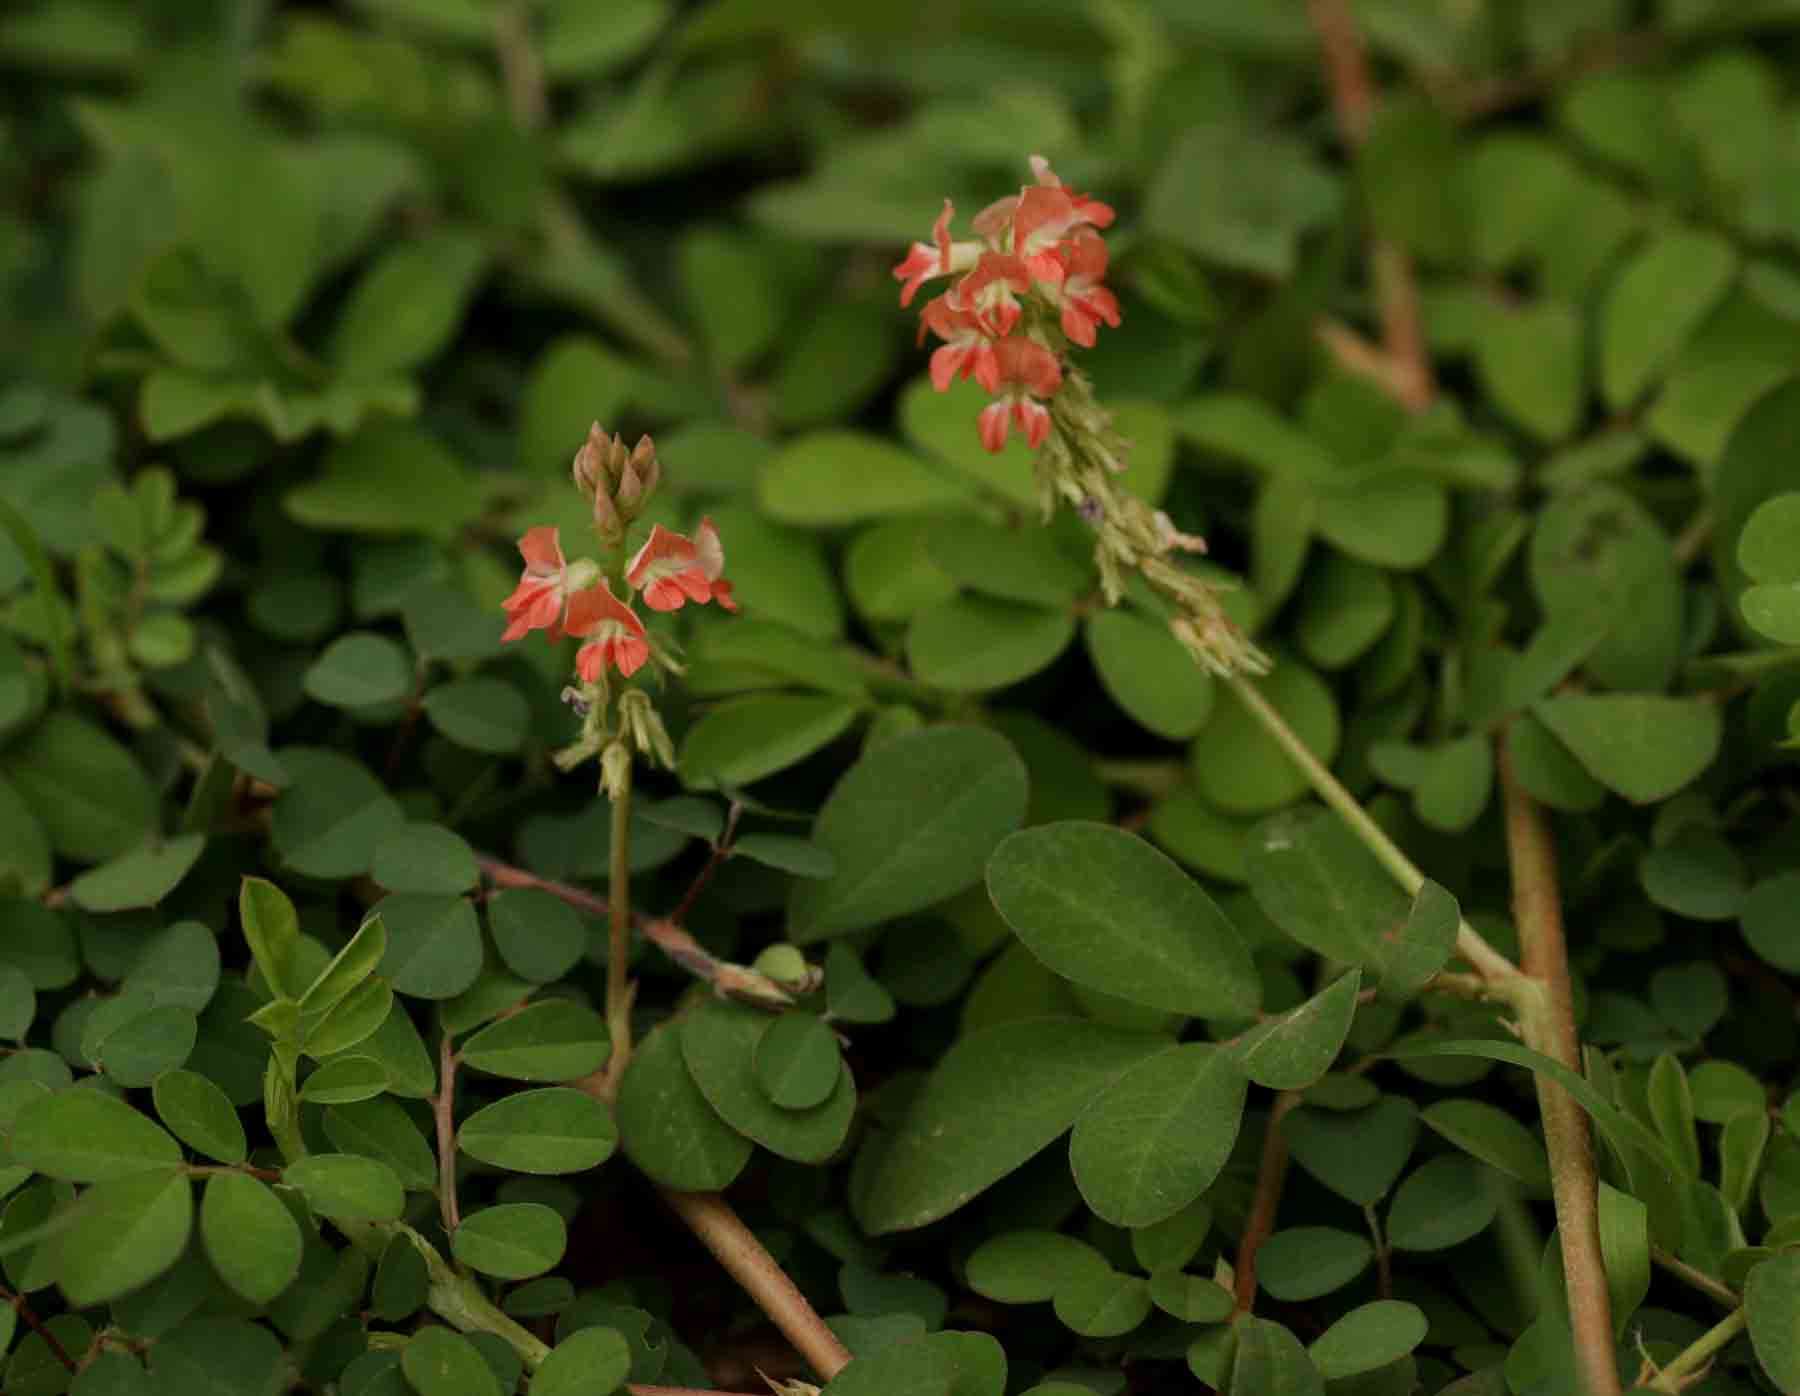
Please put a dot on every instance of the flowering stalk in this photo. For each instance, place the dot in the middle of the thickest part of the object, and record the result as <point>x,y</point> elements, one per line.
<point>1026,291</point>
<point>560,597</point>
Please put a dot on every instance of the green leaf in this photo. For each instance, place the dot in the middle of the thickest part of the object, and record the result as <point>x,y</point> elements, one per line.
<point>719,1042</point>
<point>1102,1303</point>
<point>910,824</point>
<point>1396,519</point>
<point>1267,1360</point>
<point>1029,1266</point>
<point>1013,564</point>
<point>739,743</point>
<point>970,644</point>
<point>1299,1263</point>
<point>1291,1051</point>
<point>539,936</point>
<point>1772,1304</point>
<point>829,478</point>
<point>1346,607</point>
<point>388,478</point>
<point>1642,746</point>
<point>1655,304</point>
<point>1768,549</point>
<point>996,1098</point>
<point>1105,909</point>
<point>918,1368</point>
<point>1531,361</point>
<point>407,305</point>
<point>801,857</point>
<point>382,1130</point>
<point>1455,783</point>
<point>589,1362</point>
<point>1625,1251</point>
<point>1318,883</point>
<point>1148,674</point>
<point>1190,1298</point>
<point>140,878</point>
<point>481,713</point>
<point>1771,921</point>
<point>797,1062</point>
<point>1493,1136</point>
<point>328,822</point>
<point>359,670</point>
<point>140,1043</point>
<point>348,969</point>
<point>1368,1337</point>
<point>513,1241</point>
<point>127,1232</point>
<point>1358,1154</point>
<point>1239,769</point>
<point>552,1040</point>
<point>200,1115</point>
<point>551,1130</point>
<point>439,1361</point>
<point>85,1136</point>
<point>347,1187</point>
<point>88,792</point>
<point>433,946</point>
<point>251,1238</point>
<point>665,1125</point>
<point>357,1019</point>
<point>1155,1139</point>
<point>343,1080</point>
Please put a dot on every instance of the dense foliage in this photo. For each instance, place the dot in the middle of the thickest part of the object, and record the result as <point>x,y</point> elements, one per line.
<point>1076,963</point>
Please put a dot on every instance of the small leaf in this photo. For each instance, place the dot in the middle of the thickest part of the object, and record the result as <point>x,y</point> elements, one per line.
<point>439,1361</point>
<point>344,1080</point>
<point>200,1115</point>
<point>140,878</point>
<point>589,1362</point>
<point>85,1136</point>
<point>552,1040</point>
<point>513,1241</point>
<point>1493,1136</point>
<point>481,713</point>
<point>127,1232</point>
<point>1300,1263</point>
<point>1772,1301</point>
<point>665,1125</point>
<point>552,1130</point>
<point>347,1187</point>
<point>251,1237</point>
<point>1319,884</point>
<point>1368,1337</point>
<point>741,742</point>
<point>797,1061</point>
<point>1290,1052</point>
<point>1643,746</point>
<point>719,1041</point>
<point>347,969</point>
<point>359,670</point>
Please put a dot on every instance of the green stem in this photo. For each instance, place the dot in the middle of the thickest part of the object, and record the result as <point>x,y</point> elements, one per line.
<point>1494,967</point>
<point>1697,1355</point>
<point>281,1103</point>
<point>618,959</point>
<point>459,1301</point>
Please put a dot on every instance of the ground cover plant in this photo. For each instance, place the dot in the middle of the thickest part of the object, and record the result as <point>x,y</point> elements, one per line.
<point>954,701</point>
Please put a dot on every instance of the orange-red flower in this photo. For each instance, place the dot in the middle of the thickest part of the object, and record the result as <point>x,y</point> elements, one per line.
<point>1085,301</point>
<point>544,587</point>
<point>1028,371</point>
<point>939,257</point>
<point>615,636</point>
<point>711,553</point>
<point>667,571</point>
<point>968,348</point>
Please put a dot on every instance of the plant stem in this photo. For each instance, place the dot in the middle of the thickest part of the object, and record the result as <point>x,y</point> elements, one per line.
<point>443,1108</point>
<point>459,1301</point>
<point>1408,372</point>
<point>619,989</point>
<point>37,1326</point>
<point>1688,1364</point>
<point>1547,1024</point>
<point>1713,1289</point>
<point>738,981</point>
<point>735,1246</point>
<point>1271,1174</point>
<point>1499,972</point>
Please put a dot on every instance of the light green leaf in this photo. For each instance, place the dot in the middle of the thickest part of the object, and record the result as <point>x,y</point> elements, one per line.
<point>200,1115</point>
<point>1238,768</point>
<point>513,1241</point>
<point>86,1136</point>
<point>1368,1337</point>
<point>1657,301</point>
<point>552,1130</point>
<point>127,1232</point>
<point>1643,746</point>
<point>665,1125</point>
<point>87,791</point>
<point>970,644</point>
<point>388,478</point>
<point>251,1238</point>
<point>1148,674</point>
<point>589,1362</point>
<point>829,478</point>
<point>552,1040</point>
<point>347,1187</point>
<point>740,742</point>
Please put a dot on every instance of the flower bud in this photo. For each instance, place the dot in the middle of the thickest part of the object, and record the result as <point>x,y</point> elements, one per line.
<point>638,717</point>
<point>615,770</point>
<point>619,481</point>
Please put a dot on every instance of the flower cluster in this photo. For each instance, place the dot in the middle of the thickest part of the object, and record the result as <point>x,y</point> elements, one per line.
<point>573,598</point>
<point>1030,283</point>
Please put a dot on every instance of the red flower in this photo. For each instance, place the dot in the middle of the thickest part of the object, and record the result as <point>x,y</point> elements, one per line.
<point>712,562</point>
<point>967,351</point>
<point>667,571</point>
<point>537,602</point>
<point>1028,371</point>
<point>939,257</point>
<point>617,635</point>
<point>992,291</point>
<point>1085,301</point>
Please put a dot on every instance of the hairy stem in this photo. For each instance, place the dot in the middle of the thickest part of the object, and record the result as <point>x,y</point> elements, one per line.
<point>735,1246</point>
<point>1547,1023</point>
<point>619,988</point>
<point>1271,1174</point>
<point>1716,1290</point>
<point>1496,970</point>
<point>1687,1365</point>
